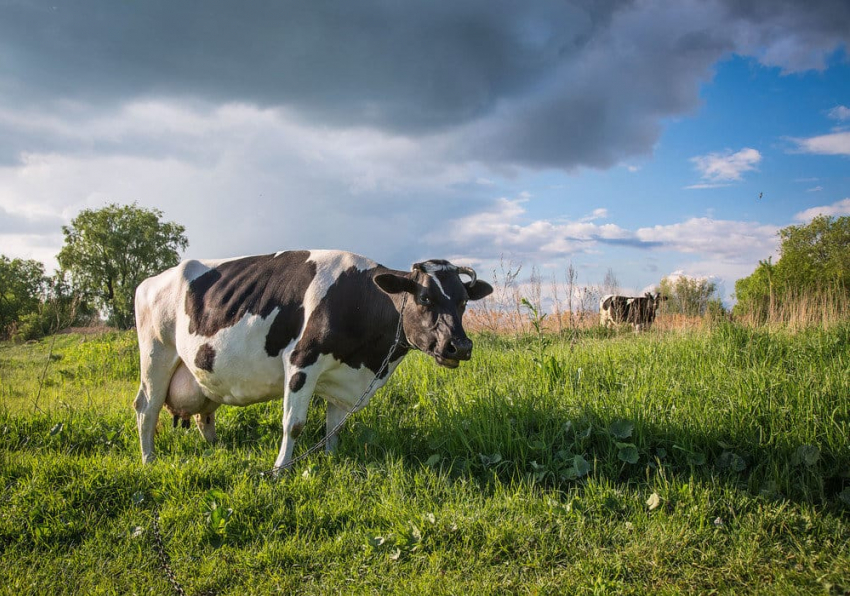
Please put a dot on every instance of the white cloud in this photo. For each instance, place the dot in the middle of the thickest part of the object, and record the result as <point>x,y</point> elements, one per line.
<point>504,228</point>
<point>815,189</point>
<point>600,213</point>
<point>719,168</point>
<point>837,209</point>
<point>733,241</point>
<point>241,179</point>
<point>839,113</point>
<point>704,186</point>
<point>501,228</point>
<point>837,143</point>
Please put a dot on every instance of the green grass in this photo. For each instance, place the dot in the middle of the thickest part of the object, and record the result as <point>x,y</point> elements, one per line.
<point>706,462</point>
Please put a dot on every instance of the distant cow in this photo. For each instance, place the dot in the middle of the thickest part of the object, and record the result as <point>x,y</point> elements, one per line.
<point>288,325</point>
<point>639,311</point>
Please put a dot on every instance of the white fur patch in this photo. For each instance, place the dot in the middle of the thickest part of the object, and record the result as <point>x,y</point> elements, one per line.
<point>343,385</point>
<point>439,285</point>
<point>243,373</point>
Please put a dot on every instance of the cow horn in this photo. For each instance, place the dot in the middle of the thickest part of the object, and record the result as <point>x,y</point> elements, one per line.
<point>470,272</point>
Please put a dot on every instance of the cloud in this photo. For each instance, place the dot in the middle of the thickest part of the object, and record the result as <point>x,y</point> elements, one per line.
<point>17,222</point>
<point>246,180</point>
<point>719,168</point>
<point>704,185</point>
<point>837,209</point>
<point>501,228</point>
<point>548,84</point>
<point>837,143</point>
<point>504,228</point>
<point>600,213</point>
<point>839,113</point>
<point>731,241</point>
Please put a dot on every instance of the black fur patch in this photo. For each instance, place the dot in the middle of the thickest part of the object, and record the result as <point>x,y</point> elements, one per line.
<point>256,285</point>
<point>355,322</point>
<point>618,308</point>
<point>297,381</point>
<point>205,358</point>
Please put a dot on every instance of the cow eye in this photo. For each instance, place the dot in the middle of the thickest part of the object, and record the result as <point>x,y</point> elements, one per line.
<point>424,300</point>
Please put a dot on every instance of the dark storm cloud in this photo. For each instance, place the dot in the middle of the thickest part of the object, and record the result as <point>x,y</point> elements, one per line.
<point>402,65</point>
<point>543,84</point>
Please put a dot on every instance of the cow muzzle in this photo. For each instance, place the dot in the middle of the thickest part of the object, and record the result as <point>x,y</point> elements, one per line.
<point>458,349</point>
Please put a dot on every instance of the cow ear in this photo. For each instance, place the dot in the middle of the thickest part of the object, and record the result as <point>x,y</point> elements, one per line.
<point>478,290</point>
<point>395,284</point>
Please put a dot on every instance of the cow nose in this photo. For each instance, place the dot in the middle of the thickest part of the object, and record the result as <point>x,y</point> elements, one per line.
<point>460,348</point>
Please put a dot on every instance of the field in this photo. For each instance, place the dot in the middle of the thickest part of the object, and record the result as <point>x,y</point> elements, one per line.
<point>707,461</point>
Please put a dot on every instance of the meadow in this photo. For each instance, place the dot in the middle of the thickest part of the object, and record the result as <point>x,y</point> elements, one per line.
<point>707,461</point>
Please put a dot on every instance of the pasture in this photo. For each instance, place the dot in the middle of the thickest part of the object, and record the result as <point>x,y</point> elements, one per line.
<point>707,461</point>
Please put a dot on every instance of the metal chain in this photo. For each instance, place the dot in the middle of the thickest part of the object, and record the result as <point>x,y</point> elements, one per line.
<point>165,560</point>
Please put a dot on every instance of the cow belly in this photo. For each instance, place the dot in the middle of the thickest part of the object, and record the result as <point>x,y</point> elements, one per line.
<point>244,383</point>
<point>233,366</point>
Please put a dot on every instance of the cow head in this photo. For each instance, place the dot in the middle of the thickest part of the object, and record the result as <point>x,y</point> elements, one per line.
<point>648,309</point>
<point>434,308</point>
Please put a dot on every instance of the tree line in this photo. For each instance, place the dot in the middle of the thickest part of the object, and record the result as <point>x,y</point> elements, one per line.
<point>106,253</point>
<point>814,262</point>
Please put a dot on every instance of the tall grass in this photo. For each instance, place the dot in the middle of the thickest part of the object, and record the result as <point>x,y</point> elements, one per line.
<point>712,461</point>
<point>796,309</point>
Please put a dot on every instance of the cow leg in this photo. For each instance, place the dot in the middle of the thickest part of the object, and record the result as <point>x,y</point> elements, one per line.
<point>334,416</point>
<point>158,362</point>
<point>296,399</point>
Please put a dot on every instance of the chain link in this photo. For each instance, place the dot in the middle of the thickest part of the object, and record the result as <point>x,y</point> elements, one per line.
<point>164,559</point>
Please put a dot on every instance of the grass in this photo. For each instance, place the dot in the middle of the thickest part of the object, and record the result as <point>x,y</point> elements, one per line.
<point>712,461</point>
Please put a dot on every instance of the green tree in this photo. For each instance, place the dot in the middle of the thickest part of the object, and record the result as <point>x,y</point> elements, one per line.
<point>22,287</point>
<point>814,257</point>
<point>688,295</point>
<point>109,251</point>
<point>757,293</point>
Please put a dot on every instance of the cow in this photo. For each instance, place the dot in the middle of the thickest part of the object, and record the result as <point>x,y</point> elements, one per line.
<point>639,311</point>
<point>289,325</point>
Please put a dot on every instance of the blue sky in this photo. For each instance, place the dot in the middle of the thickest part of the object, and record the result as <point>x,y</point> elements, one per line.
<point>648,138</point>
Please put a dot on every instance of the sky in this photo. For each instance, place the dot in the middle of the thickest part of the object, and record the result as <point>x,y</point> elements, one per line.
<point>645,138</point>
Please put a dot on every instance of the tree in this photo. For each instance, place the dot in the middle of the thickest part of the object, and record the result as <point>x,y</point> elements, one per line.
<point>814,257</point>
<point>22,287</point>
<point>688,295</point>
<point>610,285</point>
<point>109,251</point>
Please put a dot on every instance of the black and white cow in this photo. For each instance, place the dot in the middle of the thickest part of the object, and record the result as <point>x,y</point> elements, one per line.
<point>291,324</point>
<point>639,311</point>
